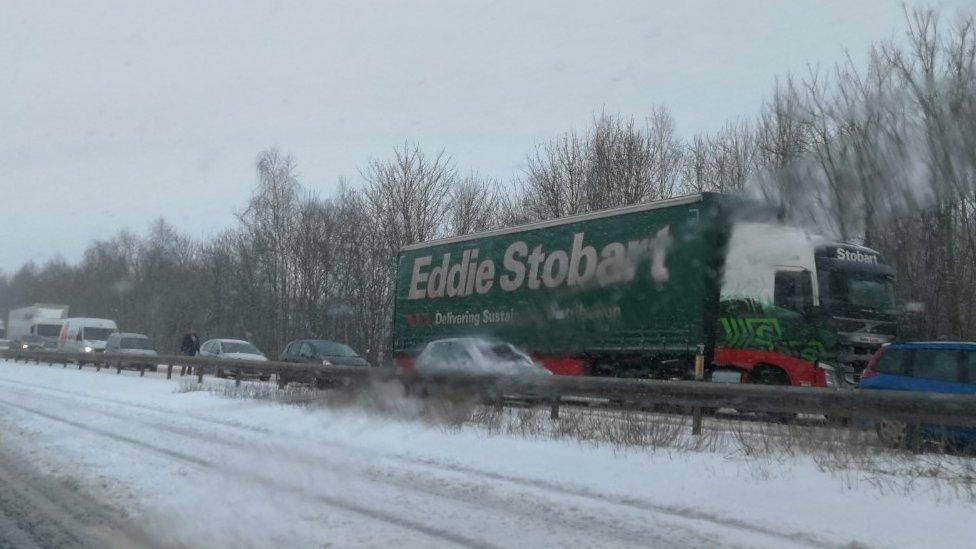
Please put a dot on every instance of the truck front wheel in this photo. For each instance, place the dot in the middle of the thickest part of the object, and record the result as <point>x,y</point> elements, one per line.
<point>764,374</point>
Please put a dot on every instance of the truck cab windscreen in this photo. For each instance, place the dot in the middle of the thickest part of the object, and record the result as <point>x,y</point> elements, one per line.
<point>97,334</point>
<point>48,330</point>
<point>851,291</point>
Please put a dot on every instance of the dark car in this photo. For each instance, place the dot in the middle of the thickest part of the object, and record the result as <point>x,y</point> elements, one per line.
<point>318,355</point>
<point>30,343</point>
<point>935,367</point>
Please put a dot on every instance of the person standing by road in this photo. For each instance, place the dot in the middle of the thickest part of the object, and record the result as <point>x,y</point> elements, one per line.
<point>189,347</point>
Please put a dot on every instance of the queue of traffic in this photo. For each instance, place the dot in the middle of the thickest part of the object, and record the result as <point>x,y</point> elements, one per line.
<point>698,287</point>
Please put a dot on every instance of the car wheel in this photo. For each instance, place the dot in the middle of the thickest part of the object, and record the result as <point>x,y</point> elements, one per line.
<point>838,421</point>
<point>892,433</point>
<point>323,383</point>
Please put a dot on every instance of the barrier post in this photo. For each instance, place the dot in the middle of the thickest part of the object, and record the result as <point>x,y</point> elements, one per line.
<point>913,437</point>
<point>554,408</point>
<point>696,412</point>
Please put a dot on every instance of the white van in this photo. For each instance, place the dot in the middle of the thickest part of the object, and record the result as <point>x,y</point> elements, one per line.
<point>86,335</point>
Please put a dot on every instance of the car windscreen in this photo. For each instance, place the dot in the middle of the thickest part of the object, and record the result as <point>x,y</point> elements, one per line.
<point>330,348</point>
<point>239,347</point>
<point>48,330</point>
<point>851,290</point>
<point>135,343</point>
<point>501,353</point>
<point>31,339</point>
<point>97,334</point>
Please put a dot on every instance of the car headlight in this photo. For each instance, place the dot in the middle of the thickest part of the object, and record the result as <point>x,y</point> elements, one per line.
<point>24,346</point>
<point>325,362</point>
<point>88,349</point>
<point>830,374</point>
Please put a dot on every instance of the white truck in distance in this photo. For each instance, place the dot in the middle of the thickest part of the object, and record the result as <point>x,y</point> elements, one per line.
<point>41,319</point>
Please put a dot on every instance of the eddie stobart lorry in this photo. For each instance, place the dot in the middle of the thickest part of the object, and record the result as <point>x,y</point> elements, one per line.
<point>639,291</point>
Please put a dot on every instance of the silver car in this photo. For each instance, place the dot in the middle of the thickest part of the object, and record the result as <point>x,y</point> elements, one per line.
<point>475,355</point>
<point>478,356</point>
<point>234,349</point>
<point>129,344</point>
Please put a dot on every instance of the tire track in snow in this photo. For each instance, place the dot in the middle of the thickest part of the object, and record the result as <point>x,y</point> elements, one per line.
<point>374,514</point>
<point>479,496</point>
<point>678,512</point>
<point>39,511</point>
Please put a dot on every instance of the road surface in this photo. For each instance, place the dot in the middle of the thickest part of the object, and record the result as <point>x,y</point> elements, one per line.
<point>194,470</point>
<point>39,511</point>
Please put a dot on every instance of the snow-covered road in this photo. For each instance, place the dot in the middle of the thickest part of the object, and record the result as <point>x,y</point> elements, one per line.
<point>191,469</point>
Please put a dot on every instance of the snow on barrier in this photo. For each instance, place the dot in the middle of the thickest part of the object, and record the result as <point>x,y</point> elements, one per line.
<point>913,408</point>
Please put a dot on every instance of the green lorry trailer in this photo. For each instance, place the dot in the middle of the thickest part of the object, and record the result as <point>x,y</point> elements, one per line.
<point>639,291</point>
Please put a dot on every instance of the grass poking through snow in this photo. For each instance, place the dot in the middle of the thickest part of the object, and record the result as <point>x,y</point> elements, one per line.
<point>852,455</point>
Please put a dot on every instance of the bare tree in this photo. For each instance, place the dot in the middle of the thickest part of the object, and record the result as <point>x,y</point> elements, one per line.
<point>698,170</point>
<point>270,219</point>
<point>473,205</point>
<point>614,164</point>
<point>407,196</point>
<point>782,136</point>
<point>666,151</point>
<point>720,163</point>
<point>555,183</point>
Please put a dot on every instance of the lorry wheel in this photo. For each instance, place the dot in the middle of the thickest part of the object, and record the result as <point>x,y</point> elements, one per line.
<point>771,375</point>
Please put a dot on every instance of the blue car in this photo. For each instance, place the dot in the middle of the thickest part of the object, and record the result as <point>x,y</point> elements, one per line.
<point>936,367</point>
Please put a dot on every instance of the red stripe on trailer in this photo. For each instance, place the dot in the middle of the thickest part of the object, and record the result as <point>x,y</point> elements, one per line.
<point>404,364</point>
<point>563,365</point>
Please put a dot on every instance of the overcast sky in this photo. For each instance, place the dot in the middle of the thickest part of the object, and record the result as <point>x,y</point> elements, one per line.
<point>115,113</point>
